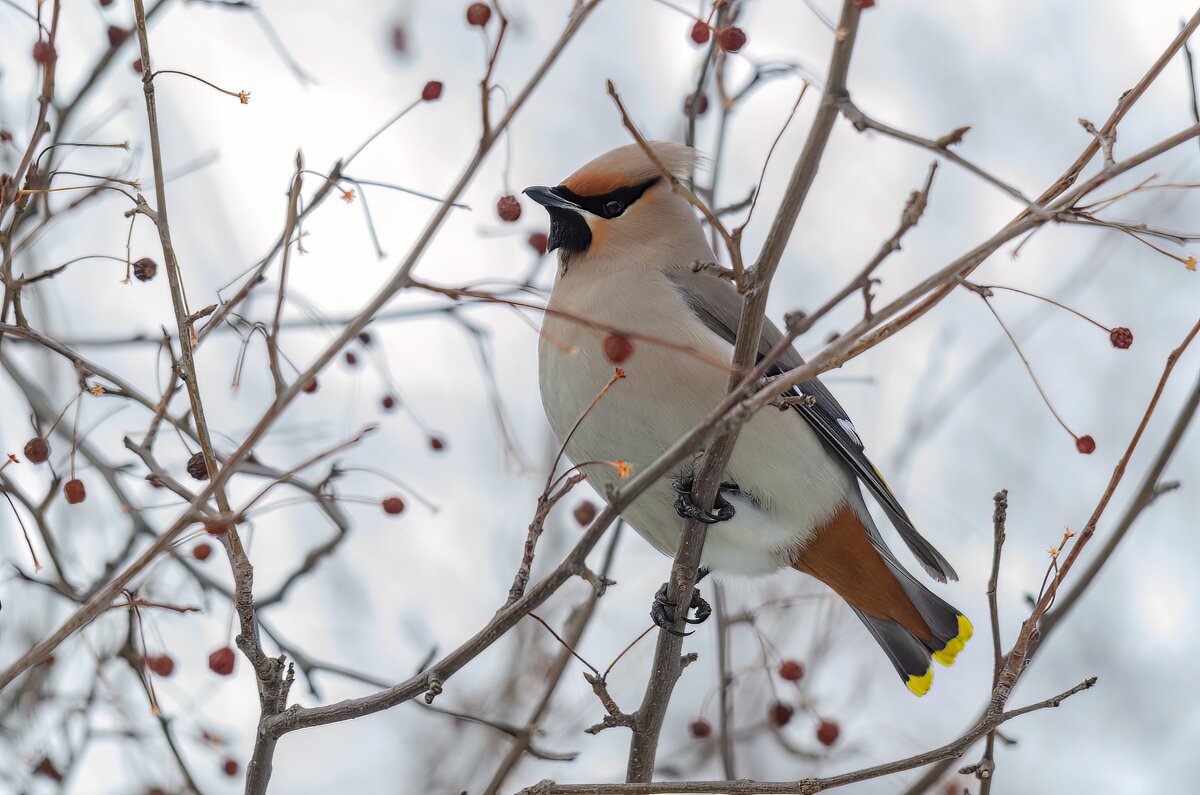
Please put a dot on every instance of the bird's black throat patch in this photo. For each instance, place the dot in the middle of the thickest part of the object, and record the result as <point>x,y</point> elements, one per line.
<point>568,231</point>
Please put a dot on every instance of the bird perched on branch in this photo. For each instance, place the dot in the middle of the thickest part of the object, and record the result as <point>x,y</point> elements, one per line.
<point>630,248</point>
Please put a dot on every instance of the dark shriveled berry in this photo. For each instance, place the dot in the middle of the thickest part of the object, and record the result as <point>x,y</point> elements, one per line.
<point>780,713</point>
<point>197,468</point>
<point>584,512</point>
<point>145,269</point>
<point>699,728</point>
<point>1121,337</point>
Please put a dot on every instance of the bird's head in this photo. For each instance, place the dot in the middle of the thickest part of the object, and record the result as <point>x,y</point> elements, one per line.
<point>620,206</point>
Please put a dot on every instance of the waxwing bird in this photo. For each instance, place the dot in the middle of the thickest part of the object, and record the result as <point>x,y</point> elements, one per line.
<point>628,246</point>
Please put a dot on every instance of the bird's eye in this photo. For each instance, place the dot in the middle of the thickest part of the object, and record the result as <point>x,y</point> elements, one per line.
<point>613,208</point>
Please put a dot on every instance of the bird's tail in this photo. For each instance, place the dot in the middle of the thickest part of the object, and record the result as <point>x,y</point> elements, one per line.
<point>949,630</point>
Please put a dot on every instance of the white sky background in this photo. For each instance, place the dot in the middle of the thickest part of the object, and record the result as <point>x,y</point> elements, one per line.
<point>1019,72</point>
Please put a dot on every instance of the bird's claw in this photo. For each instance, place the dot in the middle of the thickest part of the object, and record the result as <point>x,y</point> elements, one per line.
<point>660,610</point>
<point>690,510</point>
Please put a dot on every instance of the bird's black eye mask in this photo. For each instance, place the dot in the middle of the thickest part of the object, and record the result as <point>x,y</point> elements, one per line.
<point>568,228</point>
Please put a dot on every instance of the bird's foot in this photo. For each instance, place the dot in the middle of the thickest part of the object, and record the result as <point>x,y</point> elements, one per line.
<point>690,510</point>
<point>662,608</point>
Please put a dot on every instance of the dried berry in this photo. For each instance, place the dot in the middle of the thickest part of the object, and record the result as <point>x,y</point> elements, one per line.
<point>432,91</point>
<point>732,39</point>
<point>216,528</point>
<point>701,31</point>
<point>197,468</point>
<point>117,36</point>
<point>780,713</point>
<point>585,512</point>
<point>221,661</point>
<point>202,551</point>
<point>145,269</point>
<point>230,767</point>
<point>388,402</point>
<point>478,14</point>
<point>862,5</point>
<point>699,728</point>
<point>791,670</point>
<point>365,338</point>
<point>508,208</point>
<point>74,491</point>
<point>311,386</point>
<point>1085,444</point>
<point>46,768</point>
<point>1120,337</point>
<point>701,104</point>
<point>161,664</point>
<point>37,450</point>
<point>42,52</point>
<point>351,359</point>
<point>137,65</point>
<point>105,3</point>
<point>539,242</point>
<point>827,732</point>
<point>437,443</point>
<point>393,506</point>
<point>618,348</point>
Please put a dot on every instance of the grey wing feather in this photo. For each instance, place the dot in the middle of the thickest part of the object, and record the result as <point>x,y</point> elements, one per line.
<point>718,305</point>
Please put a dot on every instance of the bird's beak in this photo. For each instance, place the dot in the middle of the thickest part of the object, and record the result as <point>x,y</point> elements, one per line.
<point>568,225</point>
<point>549,199</point>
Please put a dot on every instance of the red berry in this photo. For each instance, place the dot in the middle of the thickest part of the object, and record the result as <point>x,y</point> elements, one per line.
<point>1085,444</point>
<point>42,52</point>
<point>221,661</point>
<point>780,713</point>
<point>732,39</point>
<point>791,670</point>
<point>37,450</point>
<point>584,512</point>
<point>351,359</point>
<point>393,506</point>
<point>699,728</point>
<point>539,242</point>
<point>701,31</point>
<point>230,767</point>
<point>618,348</point>
<point>1120,337</point>
<point>478,14</point>
<point>117,36</point>
<point>216,528</point>
<point>137,65</point>
<point>701,104</point>
<point>827,732</point>
<point>161,664</point>
<point>862,5</point>
<point>388,402</point>
<point>437,443</point>
<point>432,91</point>
<point>311,386</point>
<point>508,208</point>
<point>105,3</point>
<point>75,491</point>
<point>202,550</point>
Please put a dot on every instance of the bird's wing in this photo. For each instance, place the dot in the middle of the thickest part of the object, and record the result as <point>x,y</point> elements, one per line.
<point>718,305</point>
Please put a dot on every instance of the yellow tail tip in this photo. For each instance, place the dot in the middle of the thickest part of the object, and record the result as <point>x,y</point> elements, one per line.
<point>920,685</point>
<point>946,656</point>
